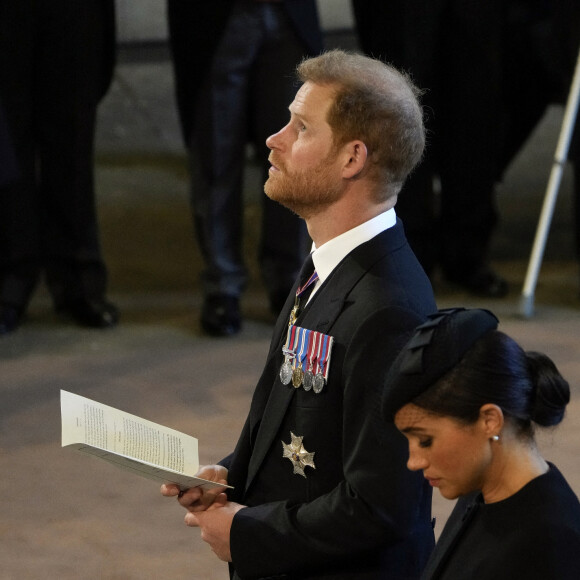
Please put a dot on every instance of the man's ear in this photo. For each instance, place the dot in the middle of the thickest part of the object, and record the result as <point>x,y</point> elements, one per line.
<point>355,154</point>
<point>491,419</point>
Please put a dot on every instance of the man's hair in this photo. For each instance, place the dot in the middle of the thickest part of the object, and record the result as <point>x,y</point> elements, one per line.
<point>374,103</point>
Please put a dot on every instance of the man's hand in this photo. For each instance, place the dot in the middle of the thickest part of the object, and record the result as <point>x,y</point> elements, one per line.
<point>198,499</point>
<point>215,524</point>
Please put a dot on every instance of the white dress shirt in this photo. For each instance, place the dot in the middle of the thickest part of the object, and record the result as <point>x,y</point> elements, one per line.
<point>330,254</point>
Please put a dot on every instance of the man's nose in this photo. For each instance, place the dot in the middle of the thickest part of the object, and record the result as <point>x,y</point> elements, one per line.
<point>276,140</point>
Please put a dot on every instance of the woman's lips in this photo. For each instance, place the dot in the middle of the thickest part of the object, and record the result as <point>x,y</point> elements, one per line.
<point>433,482</point>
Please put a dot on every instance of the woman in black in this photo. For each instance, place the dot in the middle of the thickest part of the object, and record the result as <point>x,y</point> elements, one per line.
<point>468,398</point>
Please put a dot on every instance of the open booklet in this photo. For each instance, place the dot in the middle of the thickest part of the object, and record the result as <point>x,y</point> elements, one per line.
<point>129,442</point>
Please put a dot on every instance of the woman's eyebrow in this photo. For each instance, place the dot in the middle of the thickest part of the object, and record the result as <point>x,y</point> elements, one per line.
<point>413,429</point>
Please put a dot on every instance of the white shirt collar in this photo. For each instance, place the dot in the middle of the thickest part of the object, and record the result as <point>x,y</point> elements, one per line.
<point>330,254</point>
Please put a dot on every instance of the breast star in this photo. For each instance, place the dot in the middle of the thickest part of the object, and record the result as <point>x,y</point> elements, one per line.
<point>295,452</point>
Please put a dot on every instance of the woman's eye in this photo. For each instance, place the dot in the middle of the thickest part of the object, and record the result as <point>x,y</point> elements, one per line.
<point>425,442</point>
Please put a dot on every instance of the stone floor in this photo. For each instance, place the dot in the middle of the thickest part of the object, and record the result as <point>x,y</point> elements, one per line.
<point>68,516</point>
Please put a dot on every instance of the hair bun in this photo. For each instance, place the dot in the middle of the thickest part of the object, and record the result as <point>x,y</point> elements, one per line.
<point>552,390</point>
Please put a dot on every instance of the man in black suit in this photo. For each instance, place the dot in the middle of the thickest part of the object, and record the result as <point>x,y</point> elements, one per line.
<point>320,487</point>
<point>56,63</point>
<point>234,62</point>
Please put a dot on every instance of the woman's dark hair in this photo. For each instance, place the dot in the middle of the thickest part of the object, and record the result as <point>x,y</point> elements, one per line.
<point>527,386</point>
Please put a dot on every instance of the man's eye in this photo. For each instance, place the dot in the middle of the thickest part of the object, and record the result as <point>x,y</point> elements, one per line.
<point>425,442</point>
<point>302,128</point>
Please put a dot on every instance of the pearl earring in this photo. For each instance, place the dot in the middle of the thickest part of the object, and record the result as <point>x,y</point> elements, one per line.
<point>495,437</point>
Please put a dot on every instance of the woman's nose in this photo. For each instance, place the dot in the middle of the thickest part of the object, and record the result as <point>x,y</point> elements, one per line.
<point>416,461</point>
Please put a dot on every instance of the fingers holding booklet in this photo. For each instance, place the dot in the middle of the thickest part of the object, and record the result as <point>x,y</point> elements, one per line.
<point>139,446</point>
<point>200,498</point>
<point>209,510</point>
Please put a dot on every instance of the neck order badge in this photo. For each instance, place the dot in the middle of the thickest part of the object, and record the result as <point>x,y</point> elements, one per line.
<point>299,292</point>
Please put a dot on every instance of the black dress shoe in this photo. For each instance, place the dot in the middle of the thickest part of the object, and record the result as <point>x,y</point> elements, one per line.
<point>484,282</point>
<point>10,318</point>
<point>90,313</point>
<point>220,315</point>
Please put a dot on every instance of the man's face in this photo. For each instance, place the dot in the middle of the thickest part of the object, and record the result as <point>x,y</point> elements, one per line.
<point>305,175</point>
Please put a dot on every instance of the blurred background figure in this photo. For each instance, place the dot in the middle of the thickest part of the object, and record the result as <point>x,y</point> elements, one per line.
<point>56,63</point>
<point>542,39</point>
<point>452,49</point>
<point>8,165</point>
<point>234,64</point>
<point>489,70</point>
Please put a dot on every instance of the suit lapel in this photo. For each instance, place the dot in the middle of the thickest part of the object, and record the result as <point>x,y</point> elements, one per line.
<point>264,386</point>
<point>281,395</point>
<point>458,521</point>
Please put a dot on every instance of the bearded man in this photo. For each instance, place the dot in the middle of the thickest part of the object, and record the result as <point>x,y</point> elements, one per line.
<point>320,485</point>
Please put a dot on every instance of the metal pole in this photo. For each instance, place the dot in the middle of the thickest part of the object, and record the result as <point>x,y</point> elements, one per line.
<point>527,298</point>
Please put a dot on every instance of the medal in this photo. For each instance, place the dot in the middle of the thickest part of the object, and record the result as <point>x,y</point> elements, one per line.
<point>306,359</point>
<point>289,354</point>
<point>286,371</point>
<point>298,373</point>
<point>297,377</point>
<point>295,452</point>
<point>308,380</point>
<point>323,363</point>
<point>319,383</point>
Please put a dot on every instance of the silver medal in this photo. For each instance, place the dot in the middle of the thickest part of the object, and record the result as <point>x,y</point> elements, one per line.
<point>319,382</point>
<point>308,380</point>
<point>286,372</point>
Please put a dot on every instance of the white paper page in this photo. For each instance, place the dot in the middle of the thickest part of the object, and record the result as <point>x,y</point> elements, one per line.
<point>130,442</point>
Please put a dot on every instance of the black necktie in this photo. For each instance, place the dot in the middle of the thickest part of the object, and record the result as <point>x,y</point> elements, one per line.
<point>307,279</point>
<point>306,270</point>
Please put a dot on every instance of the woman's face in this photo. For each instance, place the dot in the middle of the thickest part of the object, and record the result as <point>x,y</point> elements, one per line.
<point>454,457</point>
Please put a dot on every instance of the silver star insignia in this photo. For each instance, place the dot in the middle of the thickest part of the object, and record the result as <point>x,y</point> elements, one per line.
<point>295,452</point>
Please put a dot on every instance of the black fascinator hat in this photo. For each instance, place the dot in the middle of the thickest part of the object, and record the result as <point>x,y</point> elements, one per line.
<point>435,347</point>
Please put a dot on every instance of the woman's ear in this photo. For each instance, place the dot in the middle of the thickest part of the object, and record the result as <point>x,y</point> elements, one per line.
<point>355,153</point>
<point>492,420</point>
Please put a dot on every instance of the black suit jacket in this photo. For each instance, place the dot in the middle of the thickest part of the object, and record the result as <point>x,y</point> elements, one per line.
<point>534,534</point>
<point>195,29</point>
<point>360,513</point>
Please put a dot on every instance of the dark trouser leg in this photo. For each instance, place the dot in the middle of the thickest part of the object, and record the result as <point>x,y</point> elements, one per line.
<point>243,100</point>
<point>69,81</point>
<point>50,97</point>
<point>470,137</point>
<point>218,155</point>
<point>284,242</point>
<point>416,207</point>
<point>407,34</point>
<point>19,200</point>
